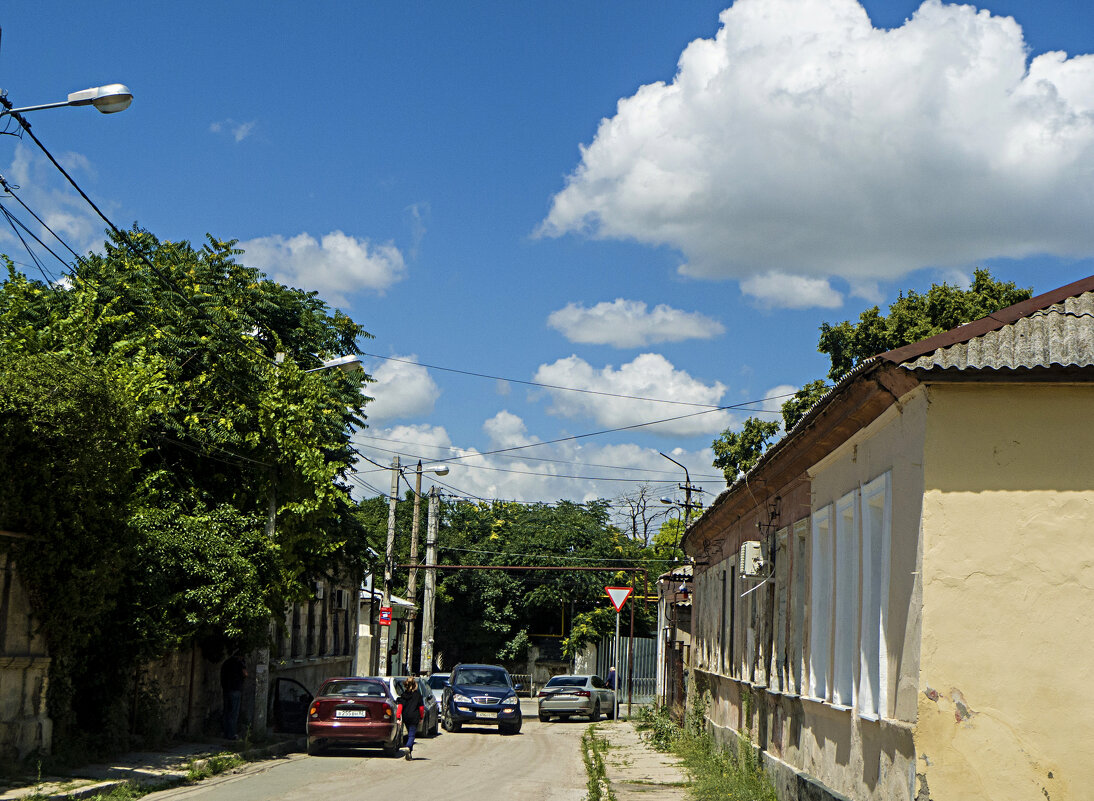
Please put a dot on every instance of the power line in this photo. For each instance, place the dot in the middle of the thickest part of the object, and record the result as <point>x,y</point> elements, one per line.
<point>710,406</point>
<point>521,457</point>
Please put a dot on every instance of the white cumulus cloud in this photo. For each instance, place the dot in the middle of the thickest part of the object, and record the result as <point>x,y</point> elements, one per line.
<point>803,141</point>
<point>336,266</point>
<point>400,390</point>
<point>649,375</point>
<point>572,469</point>
<point>778,290</point>
<point>631,324</point>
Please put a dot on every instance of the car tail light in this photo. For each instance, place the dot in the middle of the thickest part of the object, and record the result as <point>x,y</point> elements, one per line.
<point>542,694</point>
<point>582,693</point>
<point>314,711</point>
<point>388,712</point>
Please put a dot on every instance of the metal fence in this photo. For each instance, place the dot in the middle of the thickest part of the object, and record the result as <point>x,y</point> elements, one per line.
<point>525,680</point>
<point>644,681</point>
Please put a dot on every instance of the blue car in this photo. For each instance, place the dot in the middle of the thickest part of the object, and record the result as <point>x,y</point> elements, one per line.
<point>481,694</point>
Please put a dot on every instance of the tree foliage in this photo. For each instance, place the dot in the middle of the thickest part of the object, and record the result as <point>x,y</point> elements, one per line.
<point>178,483</point>
<point>494,615</point>
<point>912,317</point>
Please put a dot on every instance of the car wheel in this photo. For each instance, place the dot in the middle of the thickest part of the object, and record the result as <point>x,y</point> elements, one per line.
<point>314,748</point>
<point>543,716</point>
<point>391,749</point>
<point>509,728</point>
<point>436,725</point>
<point>450,724</point>
<point>595,716</point>
<point>611,712</point>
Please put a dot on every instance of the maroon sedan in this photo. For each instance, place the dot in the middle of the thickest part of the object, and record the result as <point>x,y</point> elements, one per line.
<point>353,712</point>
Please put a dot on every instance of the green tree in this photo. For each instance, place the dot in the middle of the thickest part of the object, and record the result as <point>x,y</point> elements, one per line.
<point>912,317</point>
<point>178,482</point>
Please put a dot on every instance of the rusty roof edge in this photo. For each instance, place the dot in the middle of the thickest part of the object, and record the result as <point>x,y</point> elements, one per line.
<point>993,322</point>
<point>873,363</point>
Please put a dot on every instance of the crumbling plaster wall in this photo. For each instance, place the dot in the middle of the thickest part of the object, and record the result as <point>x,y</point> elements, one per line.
<point>25,727</point>
<point>1005,707</point>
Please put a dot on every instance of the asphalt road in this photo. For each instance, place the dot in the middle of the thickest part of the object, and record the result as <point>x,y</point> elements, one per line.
<point>476,764</point>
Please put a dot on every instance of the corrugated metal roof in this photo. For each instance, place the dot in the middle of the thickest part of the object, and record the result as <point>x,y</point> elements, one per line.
<point>1060,335</point>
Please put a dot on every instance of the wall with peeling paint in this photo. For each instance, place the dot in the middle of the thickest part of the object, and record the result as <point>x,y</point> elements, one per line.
<point>1005,708</point>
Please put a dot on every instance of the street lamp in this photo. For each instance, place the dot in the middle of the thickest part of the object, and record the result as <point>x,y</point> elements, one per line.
<point>389,555</point>
<point>109,99</point>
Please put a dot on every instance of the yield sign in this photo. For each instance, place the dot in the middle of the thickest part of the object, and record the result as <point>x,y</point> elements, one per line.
<point>619,595</point>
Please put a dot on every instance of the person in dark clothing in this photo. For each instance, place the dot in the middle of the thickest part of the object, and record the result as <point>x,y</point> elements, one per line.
<point>232,674</point>
<point>411,710</point>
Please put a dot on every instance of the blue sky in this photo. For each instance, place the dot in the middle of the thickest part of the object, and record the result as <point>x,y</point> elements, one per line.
<point>649,199</point>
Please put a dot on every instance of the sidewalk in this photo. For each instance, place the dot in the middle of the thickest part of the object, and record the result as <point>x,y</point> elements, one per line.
<point>158,770</point>
<point>635,770</point>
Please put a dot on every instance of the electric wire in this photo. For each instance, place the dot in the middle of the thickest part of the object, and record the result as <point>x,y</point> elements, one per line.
<point>711,406</point>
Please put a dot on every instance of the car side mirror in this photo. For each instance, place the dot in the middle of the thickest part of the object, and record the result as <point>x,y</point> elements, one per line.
<point>518,686</point>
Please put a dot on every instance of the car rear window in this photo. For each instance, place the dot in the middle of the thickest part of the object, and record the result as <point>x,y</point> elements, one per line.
<point>355,688</point>
<point>567,681</point>
<point>486,677</point>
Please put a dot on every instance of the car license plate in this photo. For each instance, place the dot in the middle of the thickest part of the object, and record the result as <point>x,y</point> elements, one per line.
<point>565,697</point>
<point>487,715</point>
<point>351,713</point>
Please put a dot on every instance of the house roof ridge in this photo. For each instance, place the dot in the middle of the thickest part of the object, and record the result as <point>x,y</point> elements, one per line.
<point>992,322</point>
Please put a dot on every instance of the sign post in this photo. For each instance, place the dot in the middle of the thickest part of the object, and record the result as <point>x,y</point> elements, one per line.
<point>618,596</point>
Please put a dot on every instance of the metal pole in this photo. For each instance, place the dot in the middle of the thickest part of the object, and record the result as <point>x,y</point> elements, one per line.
<point>429,594</point>
<point>412,583</point>
<point>389,563</point>
<point>630,663</point>
<point>615,664</point>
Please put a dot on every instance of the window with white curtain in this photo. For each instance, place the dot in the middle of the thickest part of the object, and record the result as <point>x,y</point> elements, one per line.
<point>820,603</point>
<point>873,648</point>
<point>798,605</point>
<point>845,625</point>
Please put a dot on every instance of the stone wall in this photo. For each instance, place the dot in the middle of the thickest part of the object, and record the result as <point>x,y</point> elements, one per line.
<point>24,673</point>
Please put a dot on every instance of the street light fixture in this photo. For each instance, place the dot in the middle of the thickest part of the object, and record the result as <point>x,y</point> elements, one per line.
<point>389,555</point>
<point>109,99</point>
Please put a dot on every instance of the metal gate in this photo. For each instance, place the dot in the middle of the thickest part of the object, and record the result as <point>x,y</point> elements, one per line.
<point>645,667</point>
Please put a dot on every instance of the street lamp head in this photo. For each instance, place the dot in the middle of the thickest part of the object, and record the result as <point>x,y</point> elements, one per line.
<point>109,99</point>
<point>668,501</point>
<point>347,364</point>
<point>440,469</point>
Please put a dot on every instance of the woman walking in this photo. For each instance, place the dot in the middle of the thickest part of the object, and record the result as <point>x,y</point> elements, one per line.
<point>411,710</point>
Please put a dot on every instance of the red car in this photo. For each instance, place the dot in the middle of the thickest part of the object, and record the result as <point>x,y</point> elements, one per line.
<point>353,712</point>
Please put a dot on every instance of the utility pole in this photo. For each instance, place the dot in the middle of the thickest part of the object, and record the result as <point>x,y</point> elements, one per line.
<point>688,489</point>
<point>430,593</point>
<point>412,583</point>
<point>389,565</point>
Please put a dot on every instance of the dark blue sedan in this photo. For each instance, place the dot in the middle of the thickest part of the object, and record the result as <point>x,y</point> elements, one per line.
<point>481,694</point>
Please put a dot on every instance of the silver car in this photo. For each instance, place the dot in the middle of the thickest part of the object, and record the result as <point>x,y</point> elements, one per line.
<point>436,683</point>
<point>429,726</point>
<point>588,696</point>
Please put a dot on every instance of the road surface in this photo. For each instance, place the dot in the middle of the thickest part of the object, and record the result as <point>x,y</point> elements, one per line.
<point>543,762</point>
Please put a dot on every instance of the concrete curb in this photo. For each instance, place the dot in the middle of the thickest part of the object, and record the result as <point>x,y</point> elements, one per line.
<point>174,771</point>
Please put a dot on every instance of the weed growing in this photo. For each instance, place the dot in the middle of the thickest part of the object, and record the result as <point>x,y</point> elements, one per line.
<point>592,752</point>
<point>715,774</point>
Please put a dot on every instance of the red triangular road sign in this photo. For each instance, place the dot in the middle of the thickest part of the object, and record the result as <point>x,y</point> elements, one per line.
<point>619,596</point>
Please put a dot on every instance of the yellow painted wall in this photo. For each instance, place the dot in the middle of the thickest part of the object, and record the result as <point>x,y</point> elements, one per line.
<point>1005,708</point>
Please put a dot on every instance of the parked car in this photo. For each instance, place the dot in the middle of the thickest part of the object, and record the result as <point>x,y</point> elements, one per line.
<point>563,696</point>
<point>430,726</point>
<point>436,683</point>
<point>354,711</point>
<point>481,694</point>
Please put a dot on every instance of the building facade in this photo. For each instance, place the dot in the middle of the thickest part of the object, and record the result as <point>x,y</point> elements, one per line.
<point>917,626</point>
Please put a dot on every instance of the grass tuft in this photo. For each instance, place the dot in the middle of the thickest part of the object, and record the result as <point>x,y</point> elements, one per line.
<point>715,774</point>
